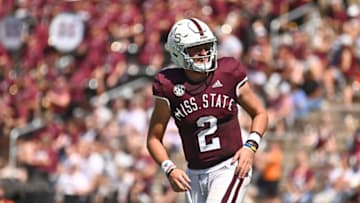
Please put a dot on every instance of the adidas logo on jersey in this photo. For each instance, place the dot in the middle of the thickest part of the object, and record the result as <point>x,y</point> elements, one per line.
<point>217,84</point>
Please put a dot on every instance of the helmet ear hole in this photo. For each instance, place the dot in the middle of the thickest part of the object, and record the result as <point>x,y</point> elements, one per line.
<point>188,33</point>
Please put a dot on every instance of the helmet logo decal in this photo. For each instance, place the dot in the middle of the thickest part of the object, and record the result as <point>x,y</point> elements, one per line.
<point>198,26</point>
<point>178,35</point>
<point>179,90</point>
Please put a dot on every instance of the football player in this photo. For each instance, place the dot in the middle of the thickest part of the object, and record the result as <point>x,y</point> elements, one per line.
<point>202,94</point>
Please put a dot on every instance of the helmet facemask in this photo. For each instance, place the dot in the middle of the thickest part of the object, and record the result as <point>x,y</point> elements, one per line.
<point>201,62</point>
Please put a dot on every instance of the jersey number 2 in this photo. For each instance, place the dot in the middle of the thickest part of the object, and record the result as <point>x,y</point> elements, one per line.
<point>215,141</point>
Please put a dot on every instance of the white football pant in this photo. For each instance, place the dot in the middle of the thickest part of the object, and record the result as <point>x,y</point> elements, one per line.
<point>217,184</point>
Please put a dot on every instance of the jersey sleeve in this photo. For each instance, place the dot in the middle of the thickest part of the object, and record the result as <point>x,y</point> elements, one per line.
<point>240,73</point>
<point>235,72</point>
<point>158,88</point>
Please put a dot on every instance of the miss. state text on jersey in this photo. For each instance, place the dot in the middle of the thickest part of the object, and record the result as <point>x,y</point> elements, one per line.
<point>211,100</point>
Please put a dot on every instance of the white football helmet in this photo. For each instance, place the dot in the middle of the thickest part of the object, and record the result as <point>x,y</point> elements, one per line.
<point>188,33</point>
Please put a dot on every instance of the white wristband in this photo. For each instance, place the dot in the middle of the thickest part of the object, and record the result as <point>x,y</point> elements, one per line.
<point>255,136</point>
<point>167,166</point>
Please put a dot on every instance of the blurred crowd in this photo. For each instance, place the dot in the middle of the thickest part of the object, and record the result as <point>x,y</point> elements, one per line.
<point>90,151</point>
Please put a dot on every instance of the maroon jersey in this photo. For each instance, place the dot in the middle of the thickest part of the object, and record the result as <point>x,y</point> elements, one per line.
<point>205,113</point>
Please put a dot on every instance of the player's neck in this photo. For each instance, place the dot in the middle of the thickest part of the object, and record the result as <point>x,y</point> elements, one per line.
<point>195,77</point>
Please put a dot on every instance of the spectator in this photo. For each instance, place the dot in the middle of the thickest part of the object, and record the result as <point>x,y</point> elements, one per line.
<point>73,184</point>
<point>136,117</point>
<point>354,145</point>
<point>300,182</point>
<point>271,161</point>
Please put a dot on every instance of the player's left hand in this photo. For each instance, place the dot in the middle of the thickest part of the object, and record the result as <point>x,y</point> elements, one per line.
<point>244,158</point>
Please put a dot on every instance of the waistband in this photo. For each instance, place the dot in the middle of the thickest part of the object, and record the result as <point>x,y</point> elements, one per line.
<point>213,168</point>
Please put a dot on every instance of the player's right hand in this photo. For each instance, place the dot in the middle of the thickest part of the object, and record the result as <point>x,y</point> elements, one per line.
<point>179,181</point>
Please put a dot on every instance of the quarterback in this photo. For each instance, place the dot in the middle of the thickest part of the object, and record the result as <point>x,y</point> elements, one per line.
<point>203,94</point>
